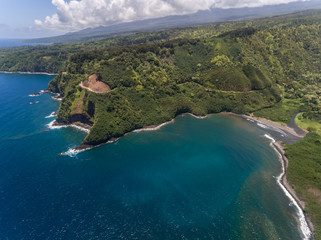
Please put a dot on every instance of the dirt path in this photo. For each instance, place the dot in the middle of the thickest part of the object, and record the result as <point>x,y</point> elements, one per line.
<point>92,84</point>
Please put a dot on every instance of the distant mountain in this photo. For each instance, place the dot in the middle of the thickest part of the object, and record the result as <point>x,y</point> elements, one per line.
<point>201,17</point>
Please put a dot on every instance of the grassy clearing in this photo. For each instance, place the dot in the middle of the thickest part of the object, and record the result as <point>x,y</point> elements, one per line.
<point>308,124</point>
<point>282,111</point>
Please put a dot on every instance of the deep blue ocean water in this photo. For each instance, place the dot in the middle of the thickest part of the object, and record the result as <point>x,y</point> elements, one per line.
<point>210,178</point>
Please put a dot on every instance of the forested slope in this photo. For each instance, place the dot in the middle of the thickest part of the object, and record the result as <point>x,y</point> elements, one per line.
<point>242,70</point>
<point>52,58</point>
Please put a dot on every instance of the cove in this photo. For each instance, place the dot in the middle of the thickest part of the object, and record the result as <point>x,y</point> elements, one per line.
<point>212,178</point>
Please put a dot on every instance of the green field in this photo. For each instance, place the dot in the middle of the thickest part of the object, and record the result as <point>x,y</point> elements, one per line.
<point>308,124</point>
<point>281,112</point>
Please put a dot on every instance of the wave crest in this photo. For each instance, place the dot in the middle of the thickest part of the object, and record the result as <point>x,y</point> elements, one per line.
<point>53,114</point>
<point>304,226</point>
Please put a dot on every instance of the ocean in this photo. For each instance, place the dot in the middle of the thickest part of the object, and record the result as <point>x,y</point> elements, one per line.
<point>16,43</point>
<point>212,178</point>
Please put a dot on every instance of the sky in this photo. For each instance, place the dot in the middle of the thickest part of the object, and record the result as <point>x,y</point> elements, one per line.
<point>41,18</point>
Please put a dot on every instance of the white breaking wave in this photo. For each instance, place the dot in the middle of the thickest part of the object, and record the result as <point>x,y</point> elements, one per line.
<point>53,114</point>
<point>80,128</point>
<point>73,152</point>
<point>271,128</point>
<point>56,98</point>
<point>303,222</point>
<point>261,125</point>
<point>37,94</point>
<point>52,126</point>
<point>270,138</point>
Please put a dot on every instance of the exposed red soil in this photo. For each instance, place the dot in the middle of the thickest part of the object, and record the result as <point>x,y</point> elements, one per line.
<point>92,84</point>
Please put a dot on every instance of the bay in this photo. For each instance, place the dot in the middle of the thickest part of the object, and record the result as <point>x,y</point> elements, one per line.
<point>212,178</point>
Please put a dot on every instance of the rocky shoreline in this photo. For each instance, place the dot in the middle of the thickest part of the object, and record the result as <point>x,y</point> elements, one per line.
<point>35,94</point>
<point>279,147</point>
<point>278,140</point>
<point>80,125</point>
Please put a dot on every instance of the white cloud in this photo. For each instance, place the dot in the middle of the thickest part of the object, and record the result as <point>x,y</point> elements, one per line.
<point>79,14</point>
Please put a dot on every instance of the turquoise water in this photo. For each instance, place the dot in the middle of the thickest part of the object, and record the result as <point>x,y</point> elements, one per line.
<point>210,178</point>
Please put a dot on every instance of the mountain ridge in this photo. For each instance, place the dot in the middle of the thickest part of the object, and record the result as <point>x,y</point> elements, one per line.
<point>202,17</point>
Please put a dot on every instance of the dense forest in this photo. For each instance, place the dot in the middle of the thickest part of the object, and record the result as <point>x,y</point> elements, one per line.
<point>270,66</point>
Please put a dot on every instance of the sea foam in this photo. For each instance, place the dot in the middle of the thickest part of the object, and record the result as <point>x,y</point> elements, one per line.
<point>53,114</point>
<point>264,126</point>
<point>52,126</point>
<point>73,152</point>
<point>56,98</point>
<point>303,222</point>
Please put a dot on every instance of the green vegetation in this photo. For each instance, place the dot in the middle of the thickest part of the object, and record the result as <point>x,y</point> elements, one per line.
<point>304,174</point>
<point>307,123</point>
<point>52,58</point>
<point>282,111</point>
<point>153,83</point>
<point>268,66</point>
<point>267,70</point>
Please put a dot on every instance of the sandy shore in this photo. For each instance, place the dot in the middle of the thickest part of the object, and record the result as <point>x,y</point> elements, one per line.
<point>275,125</point>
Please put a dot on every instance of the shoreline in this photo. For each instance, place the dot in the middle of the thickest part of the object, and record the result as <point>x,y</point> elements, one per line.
<point>306,225</point>
<point>276,125</point>
<point>79,125</point>
<point>273,125</point>
<point>83,147</point>
<point>38,73</point>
